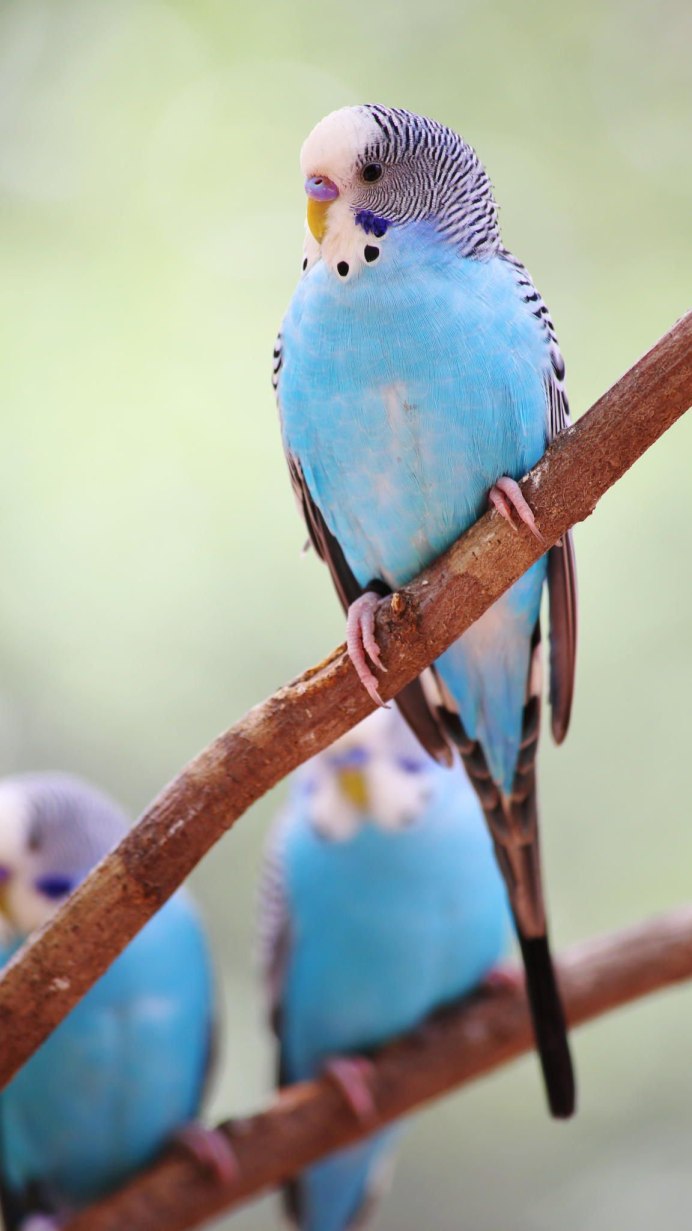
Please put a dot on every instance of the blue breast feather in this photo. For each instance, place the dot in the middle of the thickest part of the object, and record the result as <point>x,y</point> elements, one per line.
<point>404,394</point>
<point>104,1093</point>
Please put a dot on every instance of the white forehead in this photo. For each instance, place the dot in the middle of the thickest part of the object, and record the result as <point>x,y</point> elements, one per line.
<point>335,144</point>
<point>14,823</point>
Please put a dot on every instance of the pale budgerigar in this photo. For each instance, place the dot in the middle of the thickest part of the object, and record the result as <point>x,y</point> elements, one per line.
<point>419,376</point>
<point>125,1071</point>
<point>382,901</point>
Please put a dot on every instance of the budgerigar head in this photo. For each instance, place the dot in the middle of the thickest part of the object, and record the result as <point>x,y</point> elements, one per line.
<point>53,829</point>
<point>369,168</point>
<point>376,773</point>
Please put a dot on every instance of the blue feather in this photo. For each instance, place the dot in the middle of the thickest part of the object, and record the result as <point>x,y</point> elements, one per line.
<point>384,927</point>
<point>405,393</point>
<point>106,1091</point>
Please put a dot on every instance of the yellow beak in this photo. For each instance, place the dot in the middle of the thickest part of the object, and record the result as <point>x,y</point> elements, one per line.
<point>352,785</point>
<point>317,217</point>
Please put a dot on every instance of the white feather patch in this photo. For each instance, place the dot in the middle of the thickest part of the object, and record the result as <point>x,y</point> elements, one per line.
<point>335,148</point>
<point>399,779</point>
<point>336,143</point>
<point>26,907</point>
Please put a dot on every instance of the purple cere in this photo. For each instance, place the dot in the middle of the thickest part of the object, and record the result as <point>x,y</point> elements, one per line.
<point>5,874</point>
<point>320,188</point>
<point>371,224</point>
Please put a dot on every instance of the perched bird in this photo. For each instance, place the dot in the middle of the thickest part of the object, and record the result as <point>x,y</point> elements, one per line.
<point>125,1071</point>
<point>381,902</point>
<point>418,376</point>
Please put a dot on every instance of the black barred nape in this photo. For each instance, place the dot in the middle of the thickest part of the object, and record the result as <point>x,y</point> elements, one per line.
<point>444,179</point>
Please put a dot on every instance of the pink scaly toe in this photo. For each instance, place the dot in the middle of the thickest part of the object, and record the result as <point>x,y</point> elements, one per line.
<point>353,1075</point>
<point>361,643</point>
<point>504,508</point>
<point>505,496</point>
<point>503,979</point>
<point>211,1148</point>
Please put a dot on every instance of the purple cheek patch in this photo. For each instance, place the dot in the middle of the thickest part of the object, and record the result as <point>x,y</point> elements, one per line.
<point>371,224</point>
<point>410,765</point>
<point>54,886</point>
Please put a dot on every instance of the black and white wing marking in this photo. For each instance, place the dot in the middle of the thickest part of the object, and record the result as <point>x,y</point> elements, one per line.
<point>277,360</point>
<point>274,927</point>
<point>274,939</point>
<point>562,569</point>
<point>412,702</point>
<point>421,717</point>
<point>562,583</point>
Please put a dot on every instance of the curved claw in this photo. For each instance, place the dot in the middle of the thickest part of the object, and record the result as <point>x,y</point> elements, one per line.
<point>505,496</point>
<point>361,643</point>
<point>210,1148</point>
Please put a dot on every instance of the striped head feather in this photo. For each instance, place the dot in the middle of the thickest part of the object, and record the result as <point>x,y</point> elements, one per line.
<point>382,167</point>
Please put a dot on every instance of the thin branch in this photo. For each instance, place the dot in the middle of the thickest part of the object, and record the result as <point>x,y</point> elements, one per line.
<point>414,626</point>
<point>454,1048</point>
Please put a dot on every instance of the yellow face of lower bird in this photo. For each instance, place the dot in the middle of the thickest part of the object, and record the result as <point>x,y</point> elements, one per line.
<point>6,921</point>
<point>353,786</point>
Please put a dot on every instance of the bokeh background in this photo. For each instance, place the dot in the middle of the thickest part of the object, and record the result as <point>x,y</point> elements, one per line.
<point>151,215</point>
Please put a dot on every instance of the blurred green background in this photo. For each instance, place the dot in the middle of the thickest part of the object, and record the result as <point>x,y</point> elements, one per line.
<point>152,588</point>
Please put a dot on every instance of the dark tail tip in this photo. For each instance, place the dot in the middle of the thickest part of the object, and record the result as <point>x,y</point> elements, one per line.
<point>549,1026</point>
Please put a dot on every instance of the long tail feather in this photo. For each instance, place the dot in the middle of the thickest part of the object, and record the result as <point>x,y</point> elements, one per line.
<point>513,823</point>
<point>549,1026</point>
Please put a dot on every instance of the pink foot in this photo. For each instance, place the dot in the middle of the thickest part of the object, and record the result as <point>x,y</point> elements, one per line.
<point>353,1075</point>
<point>361,643</point>
<point>505,496</point>
<point>503,979</point>
<point>211,1149</point>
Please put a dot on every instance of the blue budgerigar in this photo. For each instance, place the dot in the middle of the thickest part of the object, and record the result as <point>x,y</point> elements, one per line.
<point>125,1071</point>
<point>419,376</point>
<point>382,901</point>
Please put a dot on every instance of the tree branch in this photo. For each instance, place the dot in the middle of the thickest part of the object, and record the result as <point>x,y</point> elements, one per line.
<point>414,626</point>
<point>455,1047</point>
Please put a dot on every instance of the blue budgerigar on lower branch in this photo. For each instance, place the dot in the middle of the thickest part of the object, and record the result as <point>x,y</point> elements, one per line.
<point>381,902</point>
<point>418,376</point>
<point>124,1073</point>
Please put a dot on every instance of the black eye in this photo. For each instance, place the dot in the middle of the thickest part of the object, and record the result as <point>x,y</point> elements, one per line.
<point>54,886</point>
<point>372,172</point>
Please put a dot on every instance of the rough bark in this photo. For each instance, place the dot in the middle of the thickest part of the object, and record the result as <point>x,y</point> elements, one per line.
<point>457,1046</point>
